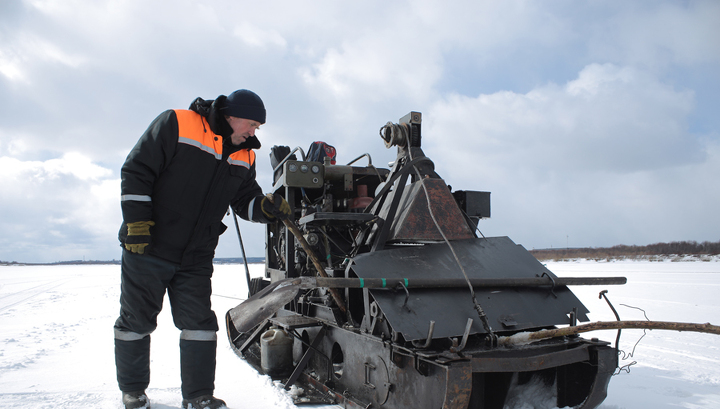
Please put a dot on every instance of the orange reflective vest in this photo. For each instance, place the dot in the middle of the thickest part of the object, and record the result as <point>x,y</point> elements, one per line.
<point>194,131</point>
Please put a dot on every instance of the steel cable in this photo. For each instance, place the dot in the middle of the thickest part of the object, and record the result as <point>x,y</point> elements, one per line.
<point>476,304</point>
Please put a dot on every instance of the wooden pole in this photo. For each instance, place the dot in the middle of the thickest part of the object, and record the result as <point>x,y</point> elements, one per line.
<point>527,337</point>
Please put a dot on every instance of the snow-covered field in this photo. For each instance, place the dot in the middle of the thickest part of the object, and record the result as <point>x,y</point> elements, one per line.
<point>56,339</point>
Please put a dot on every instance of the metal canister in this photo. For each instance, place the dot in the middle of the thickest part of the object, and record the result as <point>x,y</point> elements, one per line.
<point>276,352</point>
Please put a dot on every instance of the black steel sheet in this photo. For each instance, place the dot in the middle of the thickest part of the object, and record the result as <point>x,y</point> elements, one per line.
<point>495,257</point>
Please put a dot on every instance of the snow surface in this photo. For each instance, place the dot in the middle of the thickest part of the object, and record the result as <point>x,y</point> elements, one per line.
<point>56,338</point>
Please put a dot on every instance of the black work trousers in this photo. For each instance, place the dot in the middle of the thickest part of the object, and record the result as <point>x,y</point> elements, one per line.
<point>145,280</point>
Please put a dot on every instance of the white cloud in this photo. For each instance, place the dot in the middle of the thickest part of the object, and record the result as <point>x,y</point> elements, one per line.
<point>10,65</point>
<point>569,105</point>
<point>373,69</point>
<point>57,209</point>
<point>610,118</point>
<point>600,78</point>
<point>258,37</point>
<point>26,51</point>
<point>682,33</point>
<point>70,164</point>
<point>397,54</point>
<point>606,159</point>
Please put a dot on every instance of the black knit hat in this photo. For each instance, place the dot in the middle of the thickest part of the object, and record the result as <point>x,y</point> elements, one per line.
<point>244,104</point>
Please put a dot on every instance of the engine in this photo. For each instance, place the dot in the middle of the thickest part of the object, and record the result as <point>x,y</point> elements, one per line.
<point>380,292</point>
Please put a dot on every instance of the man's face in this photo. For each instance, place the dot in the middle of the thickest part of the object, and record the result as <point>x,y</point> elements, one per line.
<point>242,128</point>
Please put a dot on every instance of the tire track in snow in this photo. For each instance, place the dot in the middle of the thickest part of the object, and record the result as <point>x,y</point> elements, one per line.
<point>10,300</point>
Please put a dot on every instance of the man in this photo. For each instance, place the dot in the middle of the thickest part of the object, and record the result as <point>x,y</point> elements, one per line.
<point>177,183</point>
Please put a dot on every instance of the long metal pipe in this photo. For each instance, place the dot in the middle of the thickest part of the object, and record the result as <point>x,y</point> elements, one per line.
<point>330,282</point>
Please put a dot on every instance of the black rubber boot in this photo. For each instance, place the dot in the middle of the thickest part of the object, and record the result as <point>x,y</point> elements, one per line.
<point>197,368</point>
<point>204,402</point>
<point>132,361</point>
<point>135,400</point>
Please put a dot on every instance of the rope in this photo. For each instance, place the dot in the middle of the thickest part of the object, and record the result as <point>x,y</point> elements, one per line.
<point>476,304</point>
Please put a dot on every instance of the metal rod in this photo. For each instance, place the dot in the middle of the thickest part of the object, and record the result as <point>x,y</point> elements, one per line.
<point>360,157</point>
<point>242,248</point>
<point>466,334</point>
<point>390,283</point>
<point>428,340</point>
<point>287,157</point>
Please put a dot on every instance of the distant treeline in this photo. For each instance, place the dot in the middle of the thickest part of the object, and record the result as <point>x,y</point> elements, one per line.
<point>59,263</point>
<point>674,248</point>
<point>657,249</point>
<point>235,260</point>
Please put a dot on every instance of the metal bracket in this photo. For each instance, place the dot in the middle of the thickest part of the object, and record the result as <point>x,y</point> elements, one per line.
<point>253,337</point>
<point>573,317</point>
<point>428,340</point>
<point>466,334</point>
<point>407,296</point>
<point>617,317</point>
<point>305,358</point>
<point>366,321</point>
<point>421,366</point>
<point>368,367</point>
<point>552,289</point>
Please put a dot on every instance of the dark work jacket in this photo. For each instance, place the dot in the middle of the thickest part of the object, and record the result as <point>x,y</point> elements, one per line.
<point>183,174</point>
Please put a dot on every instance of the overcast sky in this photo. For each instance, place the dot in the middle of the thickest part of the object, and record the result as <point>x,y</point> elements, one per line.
<point>593,123</point>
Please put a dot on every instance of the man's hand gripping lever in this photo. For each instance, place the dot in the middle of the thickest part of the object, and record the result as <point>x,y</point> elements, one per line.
<point>275,206</point>
<point>273,198</point>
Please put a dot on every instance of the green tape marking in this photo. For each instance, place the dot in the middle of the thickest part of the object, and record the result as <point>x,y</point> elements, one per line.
<point>407,283</point>
<point>362,283</point>
<point>384,283</point>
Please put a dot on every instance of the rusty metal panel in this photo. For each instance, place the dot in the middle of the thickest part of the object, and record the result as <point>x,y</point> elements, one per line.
<point>414,220</point>
<point>509,363</point>
<point>458,385</point>
<point>497,257</point>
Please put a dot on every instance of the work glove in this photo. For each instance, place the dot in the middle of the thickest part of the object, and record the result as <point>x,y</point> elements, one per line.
<point>275,207</point>
<point>138,236</point>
